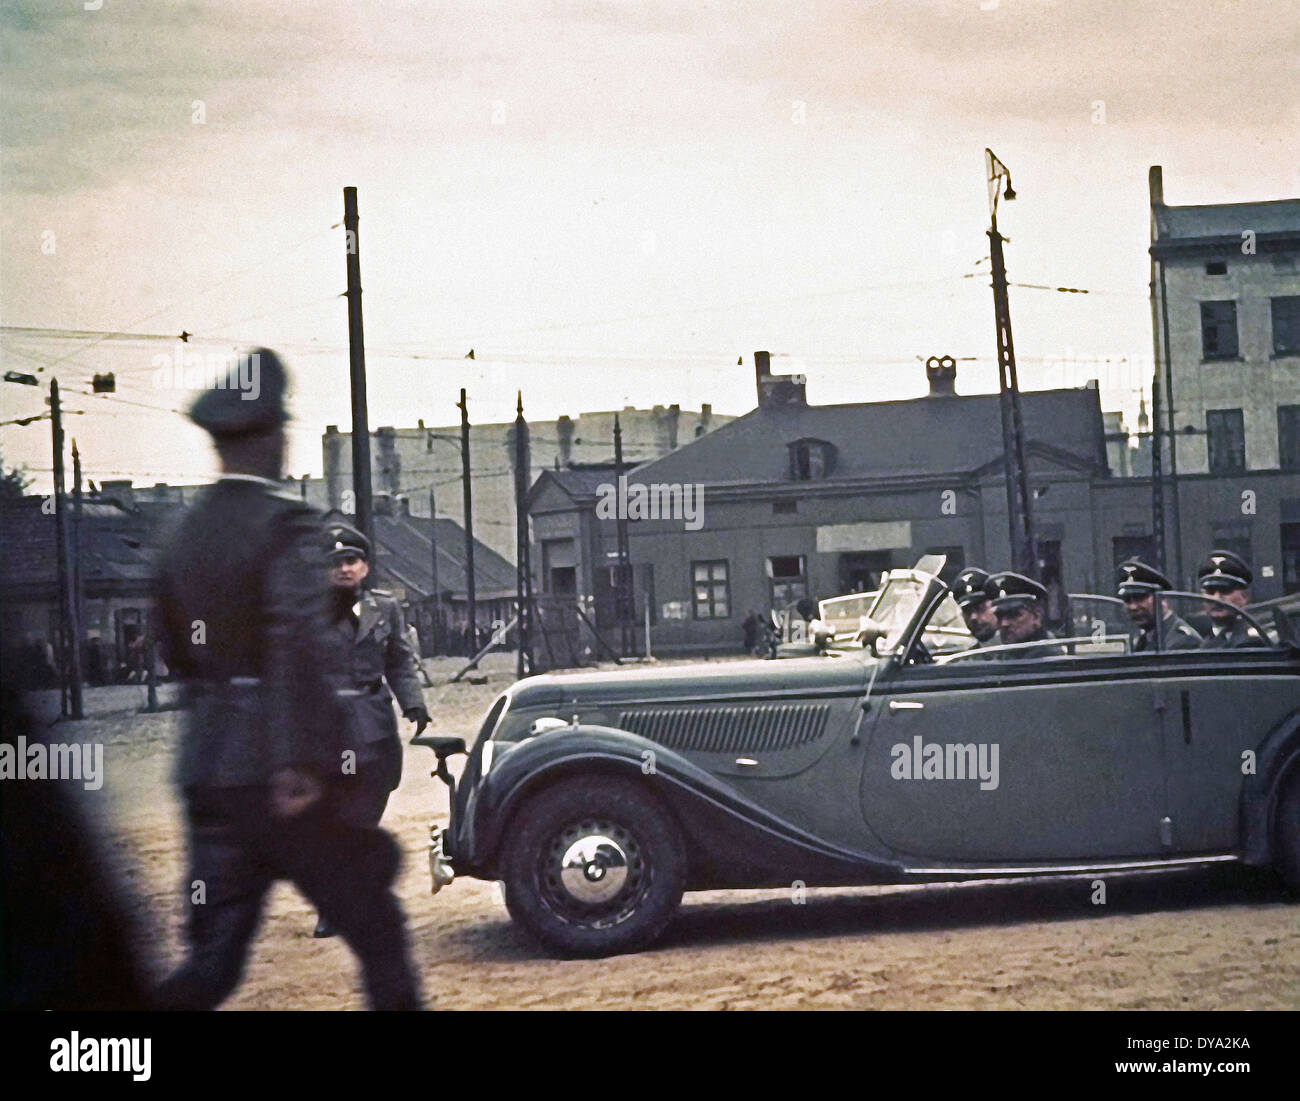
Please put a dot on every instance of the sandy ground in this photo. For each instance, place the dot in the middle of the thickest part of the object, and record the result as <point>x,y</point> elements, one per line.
<point>1216,939</point>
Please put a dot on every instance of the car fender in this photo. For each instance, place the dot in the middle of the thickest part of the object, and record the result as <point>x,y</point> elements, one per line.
<point>730,839</point>
<point>1276,756</point>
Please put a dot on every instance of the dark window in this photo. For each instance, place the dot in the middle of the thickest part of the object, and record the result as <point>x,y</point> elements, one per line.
<point>712,593</point>
<point>789,582</point>
<point>860,570</point>
<point>810,460</point>
<point>1291,558</point>
<point>1231,537</point>
<point>1219,330</point>
<point>1216,267</point>
<point>784,508</point>
<point>1288,437</point>
<point>1227,439</point>
<point>1124,547</point>
<point>1286,326</point>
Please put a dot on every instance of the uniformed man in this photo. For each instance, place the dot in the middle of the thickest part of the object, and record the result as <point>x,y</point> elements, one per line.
<point>1225,575</point>
<point>1018,605</point>
<point>968,589</point>
<point>375,664</point>
<point>1138,585</point>
<point>242,613</point>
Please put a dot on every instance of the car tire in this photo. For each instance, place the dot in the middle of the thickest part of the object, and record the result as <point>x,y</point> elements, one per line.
<point>594,867</point>
<point>1286,830</point>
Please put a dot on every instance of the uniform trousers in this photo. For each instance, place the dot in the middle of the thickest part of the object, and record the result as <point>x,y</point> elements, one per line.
<point>238,850</point>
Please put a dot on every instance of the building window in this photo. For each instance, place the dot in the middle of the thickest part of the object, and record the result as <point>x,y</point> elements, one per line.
<point>1219,330</point>
<point>1231,537</point>
<point>1286,326</point>
<point>1291,558</point>
<point>810,460</point>
<point>1216,267</point>
<point>712,590</point>
<point>1227,440</point>
<point>1288,437</point>
<point>788,580</point>
<point>784,508</point>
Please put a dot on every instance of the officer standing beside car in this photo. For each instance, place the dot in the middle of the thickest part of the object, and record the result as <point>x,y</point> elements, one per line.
<point>242,614</point>
<point>375,663</point>
<point>1139,586</point>
<point>1226,576</point>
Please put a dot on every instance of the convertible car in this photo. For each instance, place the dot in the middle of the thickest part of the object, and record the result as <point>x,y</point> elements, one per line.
<point>599,798</point>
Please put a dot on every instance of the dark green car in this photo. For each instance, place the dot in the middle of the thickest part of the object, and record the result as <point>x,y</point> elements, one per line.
<point>600,798</point>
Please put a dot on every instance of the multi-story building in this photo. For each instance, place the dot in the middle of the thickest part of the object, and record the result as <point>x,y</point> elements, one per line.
<point>412,462</point>
<point>1226,291</point>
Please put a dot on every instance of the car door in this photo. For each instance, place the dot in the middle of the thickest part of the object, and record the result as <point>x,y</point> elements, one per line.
<point>1215,710</point>
<point>1067,756</point>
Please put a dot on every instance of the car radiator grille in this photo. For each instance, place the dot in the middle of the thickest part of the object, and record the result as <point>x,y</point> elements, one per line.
<point>751,728</point>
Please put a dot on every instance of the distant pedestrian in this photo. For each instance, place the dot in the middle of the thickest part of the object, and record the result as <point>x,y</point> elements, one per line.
<point>242,608</point>
<point>750,629</point>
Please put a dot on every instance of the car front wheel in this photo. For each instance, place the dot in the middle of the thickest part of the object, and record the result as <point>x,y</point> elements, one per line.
<point>1286,830</point>
<point>594,867</point>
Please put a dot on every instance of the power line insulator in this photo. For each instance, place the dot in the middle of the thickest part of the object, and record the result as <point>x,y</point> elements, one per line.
<point>104,384</point>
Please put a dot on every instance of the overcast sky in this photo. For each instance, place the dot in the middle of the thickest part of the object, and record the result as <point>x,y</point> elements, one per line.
<point>609,202</point>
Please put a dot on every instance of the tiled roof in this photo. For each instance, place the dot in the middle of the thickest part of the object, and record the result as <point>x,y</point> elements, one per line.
<point>932,435</point>
<point>117,545</point>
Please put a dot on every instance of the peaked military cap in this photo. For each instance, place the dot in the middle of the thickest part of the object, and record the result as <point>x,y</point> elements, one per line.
<point>968,586</point>
<point>1224,571</point>
<point>343,541</point>
<point>1136,576</point>
<point>1008,589</point>
<point>248,400</point>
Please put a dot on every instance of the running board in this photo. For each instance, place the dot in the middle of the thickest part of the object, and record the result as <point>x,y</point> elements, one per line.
<point>1074,869</point>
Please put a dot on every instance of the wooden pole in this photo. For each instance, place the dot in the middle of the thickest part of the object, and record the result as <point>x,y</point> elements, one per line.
<point>437,591</point>
<point>357,363</point>
<point>70,648</point>
<point>471,609</point>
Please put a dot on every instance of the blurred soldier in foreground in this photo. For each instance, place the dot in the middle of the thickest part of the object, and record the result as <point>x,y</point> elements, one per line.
<point>1224,575</point>
<point>976,609</point>
<point>1138,585</point>
<point>373,649</point>
<point>242,605</point>
<point>1018,604</point>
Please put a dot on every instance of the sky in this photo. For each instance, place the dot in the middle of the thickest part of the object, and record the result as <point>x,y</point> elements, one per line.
<point>611,203</point>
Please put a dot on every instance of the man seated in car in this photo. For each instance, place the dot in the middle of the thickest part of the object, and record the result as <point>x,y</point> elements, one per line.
<point>1226,576</point>
<point>1018,605</point>
<point>1137,585</point>
<point>976,610</point>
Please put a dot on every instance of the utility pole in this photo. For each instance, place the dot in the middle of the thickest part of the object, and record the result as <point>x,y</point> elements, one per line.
<point>70,650</point>
<point>623,590</point>
<point>1024,552</point>
<point>357,362</point>
<point>523,573</point>
<point>1176,518</point>
<point>463,406</point>
<point>78,591</point>
<point>1157,458</point>
<point>437,591</point>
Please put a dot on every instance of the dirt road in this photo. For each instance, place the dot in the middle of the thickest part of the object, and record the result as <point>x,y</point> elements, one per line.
<point>1205,940</point>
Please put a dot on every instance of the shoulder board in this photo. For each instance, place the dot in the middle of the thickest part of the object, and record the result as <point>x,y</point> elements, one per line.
<point>382,592</point>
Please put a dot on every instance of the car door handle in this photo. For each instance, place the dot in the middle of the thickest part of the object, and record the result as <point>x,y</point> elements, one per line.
<point>906,705</point>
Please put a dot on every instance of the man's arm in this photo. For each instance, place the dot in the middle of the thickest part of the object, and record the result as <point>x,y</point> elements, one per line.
<point>400,669</point>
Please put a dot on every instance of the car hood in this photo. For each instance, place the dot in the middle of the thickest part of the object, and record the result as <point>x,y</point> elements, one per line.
<point>729,680</point>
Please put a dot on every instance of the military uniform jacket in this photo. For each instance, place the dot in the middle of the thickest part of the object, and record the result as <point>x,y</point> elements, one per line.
<point>372,650</point>
<point>1175,634</point>
<point>1240,635</point>
<point>242,615</point>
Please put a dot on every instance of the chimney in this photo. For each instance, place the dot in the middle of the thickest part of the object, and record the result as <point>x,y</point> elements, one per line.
<point>564,440</point>
<point>120,491</point>
<point>777,391</point>
<point>1156,185</point>
<point>942,373</point>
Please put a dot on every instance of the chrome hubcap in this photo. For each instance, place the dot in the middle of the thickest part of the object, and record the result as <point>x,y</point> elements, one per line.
<point>594,869</point>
